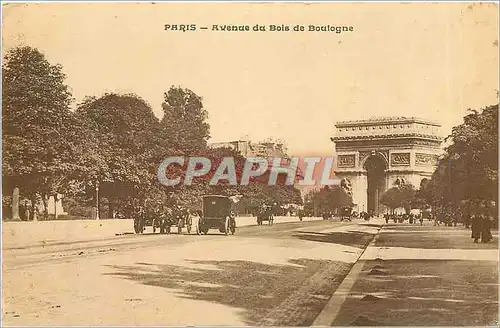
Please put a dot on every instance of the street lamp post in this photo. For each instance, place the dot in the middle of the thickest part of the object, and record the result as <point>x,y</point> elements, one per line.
<point>97,200</point>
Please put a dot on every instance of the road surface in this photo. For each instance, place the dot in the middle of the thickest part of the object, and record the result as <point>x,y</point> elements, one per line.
<point>264,275</point>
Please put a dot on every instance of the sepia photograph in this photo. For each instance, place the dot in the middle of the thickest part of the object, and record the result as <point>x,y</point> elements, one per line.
<point>249,164</point>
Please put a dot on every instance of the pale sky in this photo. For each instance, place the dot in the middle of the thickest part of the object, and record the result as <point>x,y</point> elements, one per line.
<point>428,60</point>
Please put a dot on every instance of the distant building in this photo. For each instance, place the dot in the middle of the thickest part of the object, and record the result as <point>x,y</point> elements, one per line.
<point>268,150</point>
<point>250,149</point>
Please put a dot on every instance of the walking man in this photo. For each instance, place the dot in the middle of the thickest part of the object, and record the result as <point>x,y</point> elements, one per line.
<point>476,227</point>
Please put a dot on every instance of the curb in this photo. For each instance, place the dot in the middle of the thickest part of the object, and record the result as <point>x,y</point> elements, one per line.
<point>332,308</point>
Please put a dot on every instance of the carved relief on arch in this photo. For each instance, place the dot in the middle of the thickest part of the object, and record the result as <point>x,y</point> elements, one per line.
<point>400,182</point>
<point>346,160</point>
<point>400,159</point>
<point>426,159</point>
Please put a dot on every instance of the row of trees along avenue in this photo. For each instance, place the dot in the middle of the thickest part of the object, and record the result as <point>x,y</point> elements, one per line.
<point>108,149</point>
<point>466,178</point>
<point>325,200</point>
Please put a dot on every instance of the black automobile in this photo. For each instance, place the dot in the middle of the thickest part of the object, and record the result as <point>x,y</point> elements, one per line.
<point>217,214</point>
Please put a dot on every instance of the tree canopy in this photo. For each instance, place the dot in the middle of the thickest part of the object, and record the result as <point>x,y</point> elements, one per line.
<point>327,199</point>
<point>114,142</point>
<point>184,120</point>
<point>41,136</point>
<point>468,171</point>
<point>402,195</point>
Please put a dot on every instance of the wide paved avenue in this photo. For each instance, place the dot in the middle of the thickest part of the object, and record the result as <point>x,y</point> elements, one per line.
<point>263,275</point>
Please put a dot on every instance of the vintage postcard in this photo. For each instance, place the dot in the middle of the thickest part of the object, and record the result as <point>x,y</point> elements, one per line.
<point>249,164</point>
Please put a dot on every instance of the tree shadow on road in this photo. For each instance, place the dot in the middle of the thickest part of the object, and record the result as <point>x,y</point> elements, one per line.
<point>267,293</point>
<point>372,225</point>
<point>350,238</point>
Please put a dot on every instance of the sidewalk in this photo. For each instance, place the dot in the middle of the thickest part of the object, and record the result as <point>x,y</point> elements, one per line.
<point>423,276</point>
<point>22,234</point>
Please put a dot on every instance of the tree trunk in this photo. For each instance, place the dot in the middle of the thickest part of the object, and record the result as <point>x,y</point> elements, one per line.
<point>45,201</point>
<point>55,206</point>
<point>15,204</point>
<point>111,208</point>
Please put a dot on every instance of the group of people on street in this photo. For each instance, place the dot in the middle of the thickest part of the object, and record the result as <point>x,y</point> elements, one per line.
<point>447,217</point>
<point>174,211</point>
<point>346,214</point>
<point>479,218</point>
<point>366,215</point>
<point>400,218</point>
<point>481,224</point>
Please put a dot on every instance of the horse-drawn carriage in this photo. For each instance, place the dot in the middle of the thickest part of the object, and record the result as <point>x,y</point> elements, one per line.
<point>179,217</point>
<point>265,213</point>
<point>163,220</point>
<point>217,214</point>
<point>346,213</point>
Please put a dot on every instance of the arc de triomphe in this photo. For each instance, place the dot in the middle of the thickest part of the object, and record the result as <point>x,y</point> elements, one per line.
<point>373,154</point>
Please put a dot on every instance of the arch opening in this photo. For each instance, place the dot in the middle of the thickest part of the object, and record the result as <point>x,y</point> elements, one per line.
<point>375,167</point>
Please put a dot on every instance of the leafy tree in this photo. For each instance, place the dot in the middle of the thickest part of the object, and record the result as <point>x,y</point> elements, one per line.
<point>391,198</point>
<point>420,201</point>
<point>40,133</point>
<point>402,195</point>
<point>326,199</point>
<point>124,143</point>
<point>184,121</point>
<point>468,171</point>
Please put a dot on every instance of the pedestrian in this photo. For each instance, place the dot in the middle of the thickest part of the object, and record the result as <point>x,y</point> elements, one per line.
<point>232,220</point>
<point>27,212</point>
<point>421,219</point>
<point>24,211</point>
<point>447,219</point>
<point>476,227</point>
<point>486,229</point>
<point>466,219</point>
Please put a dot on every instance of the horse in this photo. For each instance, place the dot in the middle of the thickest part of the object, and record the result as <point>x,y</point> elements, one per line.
<point>265,214</point>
